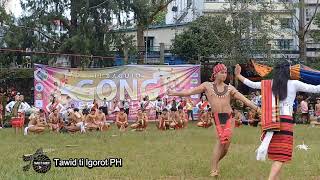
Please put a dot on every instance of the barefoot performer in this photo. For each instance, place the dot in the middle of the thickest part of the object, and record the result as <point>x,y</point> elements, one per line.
<point>205,120</point>
<point>164,122</point>
<point>35,125</point>
<point>55,121</point>
<point>102,120</point>
<point>75,121</point>
<point>278,96</point>
<point>219,96</point>
<point>182,118</point>
<point>142,121</point>
<point>91,122</point>
<point>122,120</point>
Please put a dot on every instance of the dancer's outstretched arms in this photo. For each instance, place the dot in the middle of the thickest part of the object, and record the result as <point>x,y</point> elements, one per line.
<point>308,88</point>
<point>237,95</point>
<point>196,90</point>
<point>251,84</point>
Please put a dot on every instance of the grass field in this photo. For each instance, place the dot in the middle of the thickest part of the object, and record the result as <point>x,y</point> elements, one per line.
<point>184,154</point>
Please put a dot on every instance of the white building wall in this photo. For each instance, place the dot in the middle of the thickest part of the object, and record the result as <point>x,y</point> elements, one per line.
<point>192,12</point>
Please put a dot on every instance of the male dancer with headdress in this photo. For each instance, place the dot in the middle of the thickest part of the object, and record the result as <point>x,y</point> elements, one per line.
<point>219,96</point>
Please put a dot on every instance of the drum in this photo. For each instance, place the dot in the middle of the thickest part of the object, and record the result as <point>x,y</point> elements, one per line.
<point>18,121</point>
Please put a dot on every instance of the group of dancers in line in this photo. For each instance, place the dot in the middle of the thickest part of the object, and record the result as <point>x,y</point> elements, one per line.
<point>278,96</point>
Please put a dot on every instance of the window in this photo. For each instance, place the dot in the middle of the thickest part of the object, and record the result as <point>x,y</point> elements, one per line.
<point>286,23</point>
<point>256,22</point>
<point>308,14</point>
<point>285,44</point>
<point>149,43</point>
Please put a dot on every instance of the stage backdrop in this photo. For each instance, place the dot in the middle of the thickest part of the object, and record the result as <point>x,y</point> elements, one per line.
<point>135,80</point>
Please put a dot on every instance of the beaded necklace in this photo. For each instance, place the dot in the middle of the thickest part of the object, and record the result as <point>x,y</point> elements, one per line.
<point>222,94</point>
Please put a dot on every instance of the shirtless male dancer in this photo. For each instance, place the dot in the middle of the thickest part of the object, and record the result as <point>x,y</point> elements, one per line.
<point>219,96</point>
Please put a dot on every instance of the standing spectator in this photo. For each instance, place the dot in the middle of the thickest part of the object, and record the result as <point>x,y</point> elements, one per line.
<point>159,107</point>
<point>317,108</point>
<point>304,109</point>
<point>257,98</point>
<point>105,106</point>
<point>189,107</point>
<point>126,104</point>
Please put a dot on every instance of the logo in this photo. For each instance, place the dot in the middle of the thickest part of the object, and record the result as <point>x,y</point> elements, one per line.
<point>39,161</point>
<point>196,96</point>
<point>39,96</point>
<point>194,81</point>
<point>195,75</point>
<point>39,103</point>
<point>39,87</point>
<point>41,75</point>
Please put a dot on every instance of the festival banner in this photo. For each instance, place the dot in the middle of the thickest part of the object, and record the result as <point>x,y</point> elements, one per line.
<point>137,81</point>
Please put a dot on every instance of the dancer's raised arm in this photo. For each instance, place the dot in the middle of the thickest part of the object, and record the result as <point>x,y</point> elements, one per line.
<point>304,87</point>
<point>247,82</point>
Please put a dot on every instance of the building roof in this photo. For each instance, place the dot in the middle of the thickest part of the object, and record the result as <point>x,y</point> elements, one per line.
<point>154,27</point>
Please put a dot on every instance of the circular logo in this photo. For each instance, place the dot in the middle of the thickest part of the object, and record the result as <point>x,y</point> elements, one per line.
<point>39,87</point>
<point>39,96</point>
<point>41,163</point>
<point>41,75</point>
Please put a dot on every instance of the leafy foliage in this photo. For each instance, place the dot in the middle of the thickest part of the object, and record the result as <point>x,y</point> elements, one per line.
<point>204,37</point>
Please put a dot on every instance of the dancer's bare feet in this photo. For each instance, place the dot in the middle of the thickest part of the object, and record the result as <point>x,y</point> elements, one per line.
<point>214,173</point>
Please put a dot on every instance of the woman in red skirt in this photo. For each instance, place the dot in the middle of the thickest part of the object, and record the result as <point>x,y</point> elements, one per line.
<point>281,145</point>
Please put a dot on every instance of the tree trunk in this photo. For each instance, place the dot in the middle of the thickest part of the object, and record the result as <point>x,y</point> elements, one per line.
<point>75,61</point>
<point>301,36</point>
<point>302,49</point>
<point>141,45</point>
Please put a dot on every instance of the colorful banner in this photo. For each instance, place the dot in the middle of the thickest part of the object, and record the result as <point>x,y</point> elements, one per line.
<point>135,80</point>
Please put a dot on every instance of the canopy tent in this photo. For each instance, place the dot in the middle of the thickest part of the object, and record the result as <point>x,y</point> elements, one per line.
<point>298,72</point>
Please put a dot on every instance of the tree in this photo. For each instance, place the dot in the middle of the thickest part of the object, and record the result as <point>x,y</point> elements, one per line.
<point>206,36</point>
<point>145,12</point>
<point>302,28</point>
<point>252,29</point>
<point>67,26</point>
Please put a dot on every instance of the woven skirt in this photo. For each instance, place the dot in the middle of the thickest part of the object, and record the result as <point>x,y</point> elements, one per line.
<point>281,145</point>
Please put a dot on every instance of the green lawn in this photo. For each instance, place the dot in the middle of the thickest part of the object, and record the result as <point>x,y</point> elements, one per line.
<point>184,154</point>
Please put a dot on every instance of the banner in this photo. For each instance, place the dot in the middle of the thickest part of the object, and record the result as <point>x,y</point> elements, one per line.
<point>83,86</point>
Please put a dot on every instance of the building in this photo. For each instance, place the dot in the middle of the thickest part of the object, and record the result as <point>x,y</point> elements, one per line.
<point>283,44</point>
<point>184,11</point>
<point>312,47</point>
<point>157,37</point>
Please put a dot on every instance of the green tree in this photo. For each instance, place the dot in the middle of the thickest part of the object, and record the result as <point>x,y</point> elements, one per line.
<point>206,36</point>
<point>67,26</point>
<point>252,28</point>
<point>302,28</point>
<point>145,12</point>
